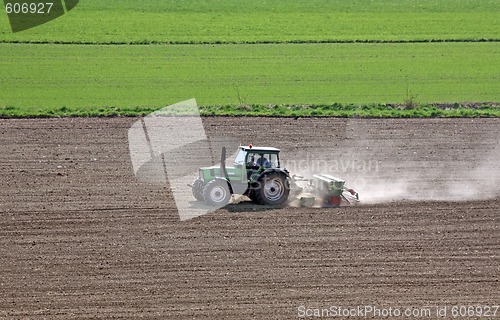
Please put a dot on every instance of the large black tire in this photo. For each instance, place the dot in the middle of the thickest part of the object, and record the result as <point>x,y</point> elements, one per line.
<point>216,193</point>
<point>273,189</point>
<point>251,196</point>
<point>198,189</point>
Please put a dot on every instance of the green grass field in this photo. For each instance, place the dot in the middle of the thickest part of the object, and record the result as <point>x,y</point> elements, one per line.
<point>238,21</point>
<point>430,52</point>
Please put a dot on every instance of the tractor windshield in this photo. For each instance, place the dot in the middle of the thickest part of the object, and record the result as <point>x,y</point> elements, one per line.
<point>240,158</point>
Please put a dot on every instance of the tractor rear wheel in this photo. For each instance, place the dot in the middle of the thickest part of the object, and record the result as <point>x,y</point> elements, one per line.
<point>216,193</point>
<point>198,189</point>
<point>273,189</point>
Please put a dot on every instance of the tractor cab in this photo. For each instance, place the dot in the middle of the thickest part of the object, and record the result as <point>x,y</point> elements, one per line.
<point>257,158</point>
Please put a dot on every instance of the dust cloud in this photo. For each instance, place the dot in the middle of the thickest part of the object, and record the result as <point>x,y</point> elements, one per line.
<point>436,161</point>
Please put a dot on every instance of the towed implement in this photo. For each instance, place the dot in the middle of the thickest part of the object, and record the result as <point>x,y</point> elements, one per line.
<point>324,190</point>
<point>257,174</point>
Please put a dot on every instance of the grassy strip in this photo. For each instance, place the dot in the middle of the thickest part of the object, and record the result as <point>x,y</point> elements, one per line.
<point>50,112</point>
<point>335,110</point>
<point>362,111</point>
<point>325,41</point>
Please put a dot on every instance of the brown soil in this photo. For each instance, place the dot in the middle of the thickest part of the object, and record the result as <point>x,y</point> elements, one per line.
<point>80,237</point>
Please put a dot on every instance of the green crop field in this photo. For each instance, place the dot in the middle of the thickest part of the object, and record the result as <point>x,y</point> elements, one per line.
<point>268,20</point>
<point>131,57</point>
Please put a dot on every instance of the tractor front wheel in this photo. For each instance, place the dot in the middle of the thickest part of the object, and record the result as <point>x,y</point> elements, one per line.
<point>273,189</point>
<point>198,189</point>
<point>216,193</point>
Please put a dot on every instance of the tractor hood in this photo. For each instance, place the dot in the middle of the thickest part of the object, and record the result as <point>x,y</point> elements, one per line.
<point>216,168</point>
<point>209,173</point>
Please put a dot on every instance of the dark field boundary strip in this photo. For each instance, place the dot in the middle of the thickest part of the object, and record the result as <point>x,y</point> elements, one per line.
<point>327,41</point>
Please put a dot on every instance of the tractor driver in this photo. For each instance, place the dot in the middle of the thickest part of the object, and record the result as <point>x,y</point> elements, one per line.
<point>251,162</point>
<point>263,162</point>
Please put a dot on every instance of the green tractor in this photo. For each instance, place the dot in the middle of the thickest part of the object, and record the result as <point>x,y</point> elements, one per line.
<point>256,174</point>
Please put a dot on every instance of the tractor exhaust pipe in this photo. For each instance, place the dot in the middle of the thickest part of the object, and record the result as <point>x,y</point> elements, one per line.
<point>223,162</point>
<point>223,169</point>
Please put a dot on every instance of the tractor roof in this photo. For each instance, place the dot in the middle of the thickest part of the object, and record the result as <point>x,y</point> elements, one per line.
<point>260,149</point>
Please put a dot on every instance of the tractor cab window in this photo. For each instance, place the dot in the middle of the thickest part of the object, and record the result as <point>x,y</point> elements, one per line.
<point>264,160</point>
<point>240,158</point>
<point>255,160</point>
<point>273,160</point>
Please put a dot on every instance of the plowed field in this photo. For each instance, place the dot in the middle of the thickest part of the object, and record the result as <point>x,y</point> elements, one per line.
<point>81,237</point>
